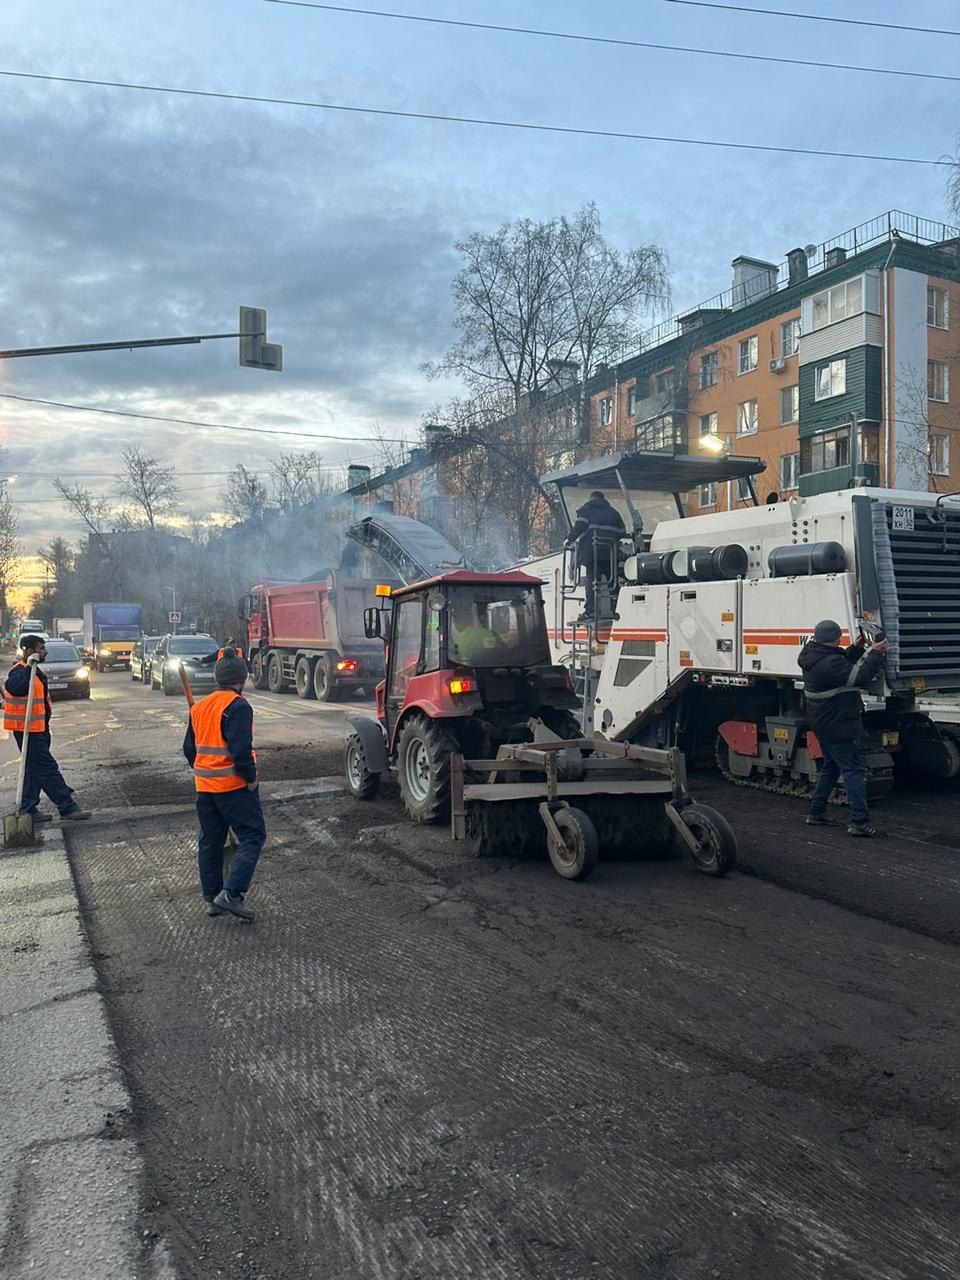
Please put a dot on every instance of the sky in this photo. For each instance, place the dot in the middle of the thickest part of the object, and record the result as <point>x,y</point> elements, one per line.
<point>137,215</point>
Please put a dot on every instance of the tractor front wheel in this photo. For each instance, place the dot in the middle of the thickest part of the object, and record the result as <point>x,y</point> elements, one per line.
<point>423,769</point>
<point>361,783</point>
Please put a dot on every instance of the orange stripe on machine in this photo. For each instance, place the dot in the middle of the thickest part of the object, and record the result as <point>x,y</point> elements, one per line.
<point>627,633</point>
<point>774,635</point>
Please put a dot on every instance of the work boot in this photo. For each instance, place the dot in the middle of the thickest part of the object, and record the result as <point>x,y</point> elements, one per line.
<point>863,829</point>
<point>76,815</point>
<point>39,817</point>
<point>233,902</point>
<point>812,820</point>
<point>212,908</point>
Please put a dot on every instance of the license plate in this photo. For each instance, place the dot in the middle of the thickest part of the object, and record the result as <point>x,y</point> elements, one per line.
<point>56,684</point>
<point>781,734</point>
<point>891,739</point>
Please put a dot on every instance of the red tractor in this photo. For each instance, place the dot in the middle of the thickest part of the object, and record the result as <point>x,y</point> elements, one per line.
<point>472,708</point>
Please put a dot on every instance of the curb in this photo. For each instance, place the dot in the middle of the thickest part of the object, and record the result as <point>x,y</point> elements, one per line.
<point>70,1173</point>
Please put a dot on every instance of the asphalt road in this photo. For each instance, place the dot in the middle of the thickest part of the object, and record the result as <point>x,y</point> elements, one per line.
<point>416,1065</point>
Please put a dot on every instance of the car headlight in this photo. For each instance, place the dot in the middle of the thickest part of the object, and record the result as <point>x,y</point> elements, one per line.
<point>82,673</point>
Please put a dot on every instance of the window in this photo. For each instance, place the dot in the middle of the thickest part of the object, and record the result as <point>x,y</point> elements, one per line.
<point>937,313</point>
<point>747,354</point>
<point>789,403</point>
<point>708,424</point>
<point>831,379</point>
<point>747,420</point>
<point>431,633</point>
<point>663,382</point>
<point>790,337</point>
<point>405,646</point>
<point>631,401</point>
<point>708,370</point>
<point>939,449</point>
<point>743,489</point>
<point>825,451</point>
<point>789,471</point>
<point>938,380</point>
<point>606,411</point>
<point>708,495</point>
<point>838,303</point>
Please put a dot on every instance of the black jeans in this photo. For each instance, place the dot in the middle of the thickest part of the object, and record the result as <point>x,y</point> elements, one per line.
<point>43,774</point>
<point>218,811</point>
<point>841,758</point>
<point>604,569</point>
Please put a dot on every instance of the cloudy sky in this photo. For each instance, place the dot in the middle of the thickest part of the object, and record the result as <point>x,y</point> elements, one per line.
<point>132,215</point>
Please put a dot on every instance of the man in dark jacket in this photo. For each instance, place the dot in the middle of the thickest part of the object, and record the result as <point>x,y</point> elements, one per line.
<point>832,680</point>
<point>42,771</point>
<point>597,530</point>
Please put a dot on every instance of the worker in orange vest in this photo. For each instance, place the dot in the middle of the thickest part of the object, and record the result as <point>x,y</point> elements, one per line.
<point>229,647</point>
<point>42,771</point>
<point>219,747</point>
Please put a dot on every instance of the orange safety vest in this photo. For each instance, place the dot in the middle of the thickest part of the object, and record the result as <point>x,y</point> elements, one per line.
<point>222,653</point>
<point>213,767</point>
<point>15,709</point>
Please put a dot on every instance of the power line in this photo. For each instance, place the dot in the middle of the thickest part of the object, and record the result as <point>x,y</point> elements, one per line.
<point>189,422</point>
<point>816,17</point>
<point>564,130</point>
<point>614,40</point>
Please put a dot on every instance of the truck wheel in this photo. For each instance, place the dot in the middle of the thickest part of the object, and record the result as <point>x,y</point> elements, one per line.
<point>275,680</point>
<point>361,783</point>
<point>581,849</point>
<point>259,671</point>
<point>303,678</point>
<point>324,686</point>
<point>423,769</point>
<point>718,844</point>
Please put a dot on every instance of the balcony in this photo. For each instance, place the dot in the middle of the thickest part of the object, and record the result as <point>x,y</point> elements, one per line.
<point>666,433</point>
<point>835,478</point>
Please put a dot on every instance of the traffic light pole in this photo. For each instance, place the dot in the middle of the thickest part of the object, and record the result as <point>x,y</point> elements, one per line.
<point>120,346</point>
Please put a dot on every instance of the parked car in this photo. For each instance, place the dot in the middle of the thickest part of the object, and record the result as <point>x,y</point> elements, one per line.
<point>171,651</point>
<point>141,658</point>
<point>67,675</point>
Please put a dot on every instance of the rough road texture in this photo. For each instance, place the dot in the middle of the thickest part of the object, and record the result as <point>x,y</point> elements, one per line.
<point>416,1066</point>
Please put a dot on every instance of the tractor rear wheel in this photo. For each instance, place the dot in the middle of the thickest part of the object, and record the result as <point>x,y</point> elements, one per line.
<point>361,783</point>
<point>578,855</point>
<point>423,769</point>
<point>718,845</point>
<point>303,678</point>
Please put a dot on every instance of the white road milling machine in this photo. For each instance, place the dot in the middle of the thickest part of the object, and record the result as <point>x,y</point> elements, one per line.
<point>696,643</point>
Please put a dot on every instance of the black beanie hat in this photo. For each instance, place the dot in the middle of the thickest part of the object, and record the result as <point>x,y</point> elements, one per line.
<point>230,670</point>
<point>827,632</point>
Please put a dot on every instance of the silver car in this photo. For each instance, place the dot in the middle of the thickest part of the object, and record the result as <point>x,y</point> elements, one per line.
<point>141,658</point>
<point>67,674</point>
<point>188,651</point>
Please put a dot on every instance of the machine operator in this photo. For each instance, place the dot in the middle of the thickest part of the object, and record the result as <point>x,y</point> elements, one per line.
<point>596,532</point>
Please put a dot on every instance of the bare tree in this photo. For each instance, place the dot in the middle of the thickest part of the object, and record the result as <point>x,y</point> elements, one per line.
<point>9,551</point>
<point>148,486</point>
<point>96,515</point>
<point>299,478</point>
<point>246,496</point>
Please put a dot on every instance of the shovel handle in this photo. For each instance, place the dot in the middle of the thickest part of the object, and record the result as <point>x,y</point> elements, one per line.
<point>186,686</point>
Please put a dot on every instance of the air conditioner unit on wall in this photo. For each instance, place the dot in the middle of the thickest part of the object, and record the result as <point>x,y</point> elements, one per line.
<point>778,364</point>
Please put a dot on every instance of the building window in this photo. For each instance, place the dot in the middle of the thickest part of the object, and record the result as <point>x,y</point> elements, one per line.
<point>838,303</point>
<point>790,338</point>
<point>708,424</point>
<point>937,313</point>
<point>831,379</point>
<point>743,489</point>
<point>632,402</point>
<point>663,382</point>
<point>939,454</point>
<point>825,451</point>
<point>747,420</point>
<point>606,411</point>
<point>938,380</point>
<point>789,404</point>
<point>789,471</point>
<point>708,370</point>
<point>747,349</point>
<point>708,495</point>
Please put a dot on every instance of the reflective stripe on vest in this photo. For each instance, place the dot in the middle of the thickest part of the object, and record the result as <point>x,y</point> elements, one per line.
<point>213,766</point>
<point>15,708</point>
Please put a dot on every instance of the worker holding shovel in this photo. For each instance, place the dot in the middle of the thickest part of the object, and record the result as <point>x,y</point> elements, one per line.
<point>26,713</point>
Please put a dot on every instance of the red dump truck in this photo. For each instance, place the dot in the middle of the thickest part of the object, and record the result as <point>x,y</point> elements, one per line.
<point>309,635</point>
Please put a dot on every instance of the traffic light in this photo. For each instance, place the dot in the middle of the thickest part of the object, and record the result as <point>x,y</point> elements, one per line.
<point>255,351</point>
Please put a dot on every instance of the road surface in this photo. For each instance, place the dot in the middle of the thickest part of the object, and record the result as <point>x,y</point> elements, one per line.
<point>416,1066</point>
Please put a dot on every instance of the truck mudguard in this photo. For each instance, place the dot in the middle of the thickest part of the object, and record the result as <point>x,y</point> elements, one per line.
<point>374,743</point>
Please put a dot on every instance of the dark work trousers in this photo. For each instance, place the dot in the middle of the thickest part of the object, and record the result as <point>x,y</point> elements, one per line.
<point>604,567</point>
<point>841,758</point>
<point>218,811</point>
<point>43,774</point>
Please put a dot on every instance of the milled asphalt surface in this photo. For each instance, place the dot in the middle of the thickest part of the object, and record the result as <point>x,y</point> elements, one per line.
<point>419,1065</point>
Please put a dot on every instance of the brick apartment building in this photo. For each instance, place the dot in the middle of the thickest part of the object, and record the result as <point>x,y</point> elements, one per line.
<point>834,367</point>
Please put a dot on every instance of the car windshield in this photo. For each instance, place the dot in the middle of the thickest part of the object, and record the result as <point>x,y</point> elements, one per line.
<point>198,645</point>
<point>112,634</point>
<point>494,626</point>
<point>62,653</point>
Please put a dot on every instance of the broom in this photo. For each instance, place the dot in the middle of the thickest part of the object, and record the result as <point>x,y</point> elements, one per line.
<point>18,827</point>
<point>231,844</point>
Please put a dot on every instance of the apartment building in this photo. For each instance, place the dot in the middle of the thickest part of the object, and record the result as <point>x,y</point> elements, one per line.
<point>840,366</point>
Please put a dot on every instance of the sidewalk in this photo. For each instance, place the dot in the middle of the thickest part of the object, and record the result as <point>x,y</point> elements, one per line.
<point>70,1171</point>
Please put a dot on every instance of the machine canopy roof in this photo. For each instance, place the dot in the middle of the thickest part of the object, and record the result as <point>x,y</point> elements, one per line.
<point>654,472</point>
